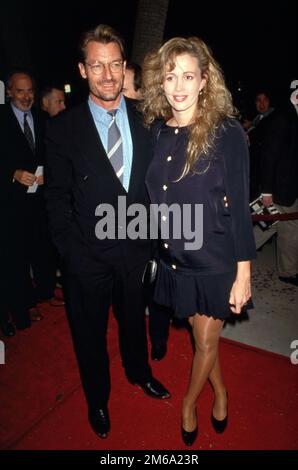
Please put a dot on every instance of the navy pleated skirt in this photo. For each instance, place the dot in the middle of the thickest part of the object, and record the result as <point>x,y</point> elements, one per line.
<point>187,293</point>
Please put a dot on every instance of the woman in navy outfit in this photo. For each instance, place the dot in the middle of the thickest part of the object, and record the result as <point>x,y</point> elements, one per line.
<point>201,157</point>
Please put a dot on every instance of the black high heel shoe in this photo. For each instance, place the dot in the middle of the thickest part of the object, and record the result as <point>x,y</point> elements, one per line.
<point>219,425</point>
<point>189,437</point>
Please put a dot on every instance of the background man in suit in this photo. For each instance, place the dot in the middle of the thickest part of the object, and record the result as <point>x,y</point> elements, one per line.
<point>279,176</point>
<point>24,240</point>
<point>97,152</point>
<point>52,100</point>
<point>256,135</point>
<point>132,81</point>
<point>159,316</point>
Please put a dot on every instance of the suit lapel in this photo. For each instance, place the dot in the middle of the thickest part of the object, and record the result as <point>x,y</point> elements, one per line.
<point>17,130</point>
<point>90,146</point>
<point>38,130</point>
<point>138,164</point>
<point>24,156</point>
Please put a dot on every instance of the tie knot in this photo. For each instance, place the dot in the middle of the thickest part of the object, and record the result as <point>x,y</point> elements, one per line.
<point>112,113</point>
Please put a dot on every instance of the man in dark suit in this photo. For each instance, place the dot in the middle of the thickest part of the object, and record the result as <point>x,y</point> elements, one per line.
<point>256,135</point>
<point>279,176</point>
<point>159,316</point>
<point>52,100</point>
<point>24,240</point>
<point>97,152</point>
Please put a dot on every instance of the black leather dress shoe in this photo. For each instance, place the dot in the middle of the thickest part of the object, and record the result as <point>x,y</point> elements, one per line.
<point>158,351</point>
<point>154,389</point>
<point>100,422</point>
<point>7,328</point>
<point>189,437</point>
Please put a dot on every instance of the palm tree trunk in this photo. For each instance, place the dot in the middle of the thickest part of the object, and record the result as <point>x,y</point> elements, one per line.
<point>149,29</point>
<point>13,36</point>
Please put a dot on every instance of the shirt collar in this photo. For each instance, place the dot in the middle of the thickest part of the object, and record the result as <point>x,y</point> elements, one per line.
<point>19,113</point>
<point>101,113</point>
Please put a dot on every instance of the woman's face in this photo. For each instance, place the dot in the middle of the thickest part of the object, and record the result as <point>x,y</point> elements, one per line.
<point>183,84</point>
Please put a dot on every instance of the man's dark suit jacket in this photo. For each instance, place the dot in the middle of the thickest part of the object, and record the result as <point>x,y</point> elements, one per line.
<point>256,143</point>
<point>279,157</point>
<point>16,154</point>
<point>80,178</point>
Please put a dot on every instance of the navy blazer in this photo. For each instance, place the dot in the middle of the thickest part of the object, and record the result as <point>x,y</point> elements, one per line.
<point>236,161</point>
<point>227,231</point>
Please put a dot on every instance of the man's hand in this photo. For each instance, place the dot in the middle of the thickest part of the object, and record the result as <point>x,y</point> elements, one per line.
<point>24,177</point>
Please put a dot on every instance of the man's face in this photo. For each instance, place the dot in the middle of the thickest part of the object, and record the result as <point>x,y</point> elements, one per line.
<point>21,91</point>
<point>54,102</point>
<point>128,86</point>
<point>262,103</point>
<point>104,69</point>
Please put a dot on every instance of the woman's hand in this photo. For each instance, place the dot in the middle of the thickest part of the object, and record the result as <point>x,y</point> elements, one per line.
<point>241,289</point>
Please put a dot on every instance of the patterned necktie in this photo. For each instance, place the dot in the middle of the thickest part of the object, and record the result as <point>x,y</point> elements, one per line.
<point>115,152</point>
<point>28,133</point>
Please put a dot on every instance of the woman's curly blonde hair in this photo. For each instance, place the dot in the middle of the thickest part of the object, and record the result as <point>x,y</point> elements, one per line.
<point>214,104</point>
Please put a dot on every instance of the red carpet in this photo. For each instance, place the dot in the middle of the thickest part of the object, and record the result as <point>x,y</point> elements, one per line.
<point>43,408</point>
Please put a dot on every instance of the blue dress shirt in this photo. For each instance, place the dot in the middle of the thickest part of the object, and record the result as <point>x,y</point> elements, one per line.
<point>102,120</point>
<point>20,117</point>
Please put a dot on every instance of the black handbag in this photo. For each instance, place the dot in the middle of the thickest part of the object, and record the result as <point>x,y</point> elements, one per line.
<point>149,274</point>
